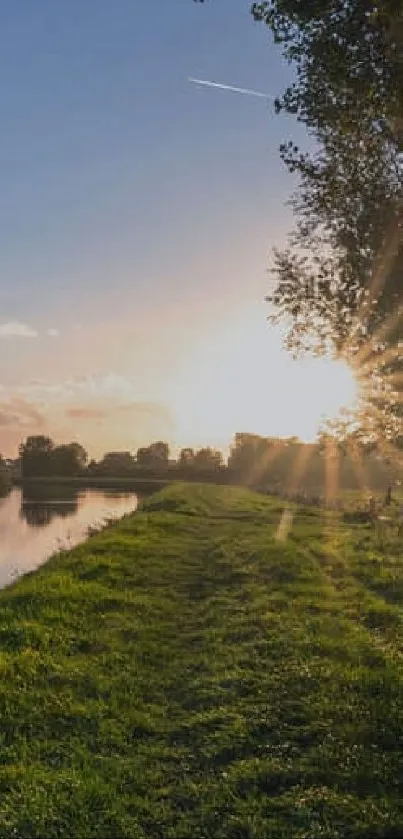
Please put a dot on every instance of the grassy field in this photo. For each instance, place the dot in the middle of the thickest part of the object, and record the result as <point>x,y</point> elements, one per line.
<point>185,674</point>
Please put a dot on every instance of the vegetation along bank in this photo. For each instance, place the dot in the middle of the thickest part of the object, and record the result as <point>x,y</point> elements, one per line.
<point>186,674</point>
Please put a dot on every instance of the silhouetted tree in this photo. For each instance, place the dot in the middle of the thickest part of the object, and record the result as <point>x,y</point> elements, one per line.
<point>5,478</point>
<point>155,455</point>
<point>68,460</point>
<point>116,464</point>
<point>36,456</point>
<point>186,457</point>
<point>208,458</point>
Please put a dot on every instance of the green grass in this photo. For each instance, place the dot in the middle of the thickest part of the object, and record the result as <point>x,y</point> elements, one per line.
<point>184,674</point>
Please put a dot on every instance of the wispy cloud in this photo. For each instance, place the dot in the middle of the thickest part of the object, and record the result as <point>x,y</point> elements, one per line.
<point>53,333</point>
<point>218,85</point>
<point>15,329</point>
<point>101,411</point>
<point>86,413</point>
<point>19,414</point>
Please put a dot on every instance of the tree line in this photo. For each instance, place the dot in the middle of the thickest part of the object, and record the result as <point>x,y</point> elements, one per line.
<point>40,457</point>
<point>270,464</point>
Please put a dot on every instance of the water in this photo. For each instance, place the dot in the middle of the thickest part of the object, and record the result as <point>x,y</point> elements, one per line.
<point>36,523</point>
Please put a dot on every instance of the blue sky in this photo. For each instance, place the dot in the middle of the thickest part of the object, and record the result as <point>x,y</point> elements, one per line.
<point>137,215</point>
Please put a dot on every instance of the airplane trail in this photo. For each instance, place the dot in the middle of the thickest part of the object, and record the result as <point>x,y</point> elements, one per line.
<point>244,90</point>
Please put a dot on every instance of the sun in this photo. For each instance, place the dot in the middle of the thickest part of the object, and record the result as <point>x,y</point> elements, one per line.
<point>242,379</point>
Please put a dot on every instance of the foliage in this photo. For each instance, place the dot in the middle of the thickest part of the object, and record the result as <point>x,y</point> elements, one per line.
<point>185,674</point>
<point>349,64</point>
<point>157,454</point>
<point>114,463</point>
<point>5,478</point>
<point>40,457</point>
<point>340,280</point>
<point>186,457</point>
<point>69,459</point>
<point>208,458</point>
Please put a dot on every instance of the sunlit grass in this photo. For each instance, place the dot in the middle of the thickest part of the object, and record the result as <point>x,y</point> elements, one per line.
<point>184,674</point>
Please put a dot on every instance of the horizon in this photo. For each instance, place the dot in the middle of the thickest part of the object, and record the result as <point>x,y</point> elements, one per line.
<point>175,453</point>
<point>139,216</point>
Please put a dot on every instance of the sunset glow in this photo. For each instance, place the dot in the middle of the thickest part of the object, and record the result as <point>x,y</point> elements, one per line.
<point>242,379</point>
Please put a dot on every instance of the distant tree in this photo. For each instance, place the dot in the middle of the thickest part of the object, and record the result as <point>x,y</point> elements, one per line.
<point>186,457</point>
<point>36,456</point>
<point>208,458</point>
<point>5,477</point>
<point>156,455</point>
<point>68,459</point>
<point>143,456</point>
<point>160,452</point>
<point>39,457</point>
<point>248,455</point>
<point>117,464</point>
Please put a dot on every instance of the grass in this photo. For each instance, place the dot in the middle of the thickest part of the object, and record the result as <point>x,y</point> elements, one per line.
<point>184,674</point>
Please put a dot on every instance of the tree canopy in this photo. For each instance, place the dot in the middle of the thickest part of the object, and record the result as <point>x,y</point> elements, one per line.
<point>40,457</point>
<point>339,281</point>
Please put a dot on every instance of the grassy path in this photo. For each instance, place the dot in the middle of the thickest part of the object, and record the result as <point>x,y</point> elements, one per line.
<point>183,674</point>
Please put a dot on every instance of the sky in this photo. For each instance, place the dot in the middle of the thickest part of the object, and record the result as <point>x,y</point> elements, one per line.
<point>138,212</point>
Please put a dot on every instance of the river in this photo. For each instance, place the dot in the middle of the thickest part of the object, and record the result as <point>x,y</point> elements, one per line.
<point>36,523</point>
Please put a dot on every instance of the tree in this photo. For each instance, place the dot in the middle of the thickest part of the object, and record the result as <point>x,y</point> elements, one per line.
<point>68,459</point>
<point>116,464</point>
<point>186,457</point>
<point>36,456</point>
<point>155,455</point>
<point>348,58</point>
<point>208,459</point>
<point>159,452</point>
<point>5,478</point>
<point>340,279</point>
<point>246,451</point>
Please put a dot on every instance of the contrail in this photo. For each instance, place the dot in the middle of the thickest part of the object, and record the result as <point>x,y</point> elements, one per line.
<point>246,91</point>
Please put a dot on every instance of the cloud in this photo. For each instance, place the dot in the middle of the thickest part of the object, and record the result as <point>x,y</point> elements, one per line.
<point>53,333</point>
<point>18,412</point>
<point>15,329</point>
<point>86,413</point>
<point>146,409</point>
<point>139,410</point>
<point>101,411</point>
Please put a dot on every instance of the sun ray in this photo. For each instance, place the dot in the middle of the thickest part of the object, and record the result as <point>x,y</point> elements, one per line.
<point>386,447</point>
<point>381,268</point>
<point>332,470</point>
<point>379,361</point>
<point>257,469</point>
<point>299,467</point>
<point>386,327</point>
<point>357,464</point>
<point>395,379</point>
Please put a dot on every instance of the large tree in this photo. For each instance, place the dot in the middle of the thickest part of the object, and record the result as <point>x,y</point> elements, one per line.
<point>340,280</point>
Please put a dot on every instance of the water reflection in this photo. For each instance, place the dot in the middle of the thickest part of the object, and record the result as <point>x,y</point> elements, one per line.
<point>36,523</point>
<point>38,508</point>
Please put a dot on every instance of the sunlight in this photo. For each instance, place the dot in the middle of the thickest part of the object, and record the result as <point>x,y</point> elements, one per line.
<point>242,379</point>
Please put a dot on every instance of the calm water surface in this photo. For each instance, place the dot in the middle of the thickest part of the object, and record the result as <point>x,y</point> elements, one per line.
<point>34,524</point>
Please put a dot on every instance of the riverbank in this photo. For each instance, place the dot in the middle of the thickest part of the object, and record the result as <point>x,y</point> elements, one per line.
<point>185,674</point>
<point>130,484</point>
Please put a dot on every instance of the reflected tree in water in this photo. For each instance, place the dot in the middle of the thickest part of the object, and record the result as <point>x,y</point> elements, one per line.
<point>38,510</point>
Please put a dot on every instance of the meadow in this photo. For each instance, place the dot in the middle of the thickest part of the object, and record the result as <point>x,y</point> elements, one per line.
<point>186,674</point>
